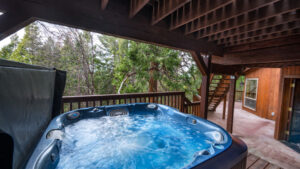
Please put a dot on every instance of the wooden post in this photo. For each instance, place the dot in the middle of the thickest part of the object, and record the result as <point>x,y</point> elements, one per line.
<point>205,88</point>
<point>231,99</point>
<point>182,102</point>
<point>203,63</point>
<point>224,107</point>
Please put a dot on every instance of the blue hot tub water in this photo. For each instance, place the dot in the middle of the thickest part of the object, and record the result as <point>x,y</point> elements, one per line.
<point>159,137</point>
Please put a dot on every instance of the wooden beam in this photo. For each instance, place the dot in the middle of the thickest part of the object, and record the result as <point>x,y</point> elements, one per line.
<point>224,107</point>
<point>232,24</point>
<point>136,6</point>
<point>242,29</point>
<point>200,62</point>
<point>196,10</point>
<point>268,33</point>
<point>226,69</point>
<point>104,4</point>
<point>10,22</point>
<point>163,8</point>
<point>283,99</point>
<point>230,112</point>
<point>273,55</point>
<point>245,11</point>
<point>205,89</point>
<point>114,21</point>
<point>273,43</point>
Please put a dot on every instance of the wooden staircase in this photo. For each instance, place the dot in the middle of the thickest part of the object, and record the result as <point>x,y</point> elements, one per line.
<point>219,86</point>
<point>218,89</point>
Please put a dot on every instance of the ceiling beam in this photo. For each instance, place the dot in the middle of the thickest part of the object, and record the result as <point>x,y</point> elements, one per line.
<point>163,8</point>
<point>198,58</point>
<point>10,22</point>
<point>241,11</point>
<point>136,6</point>
<point>114,21</point>
<point>272,55</point>
<point>197,10</point>
<point>271,32</point>
<point>104,4</point>
<point>278,42</point>
<point>226,70</point>
<point>232,27</point>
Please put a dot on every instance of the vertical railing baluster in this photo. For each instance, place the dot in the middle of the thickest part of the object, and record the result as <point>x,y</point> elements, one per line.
<point>177,102</point>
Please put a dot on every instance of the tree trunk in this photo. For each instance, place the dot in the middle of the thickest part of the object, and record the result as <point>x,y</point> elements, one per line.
<point>152,80</point>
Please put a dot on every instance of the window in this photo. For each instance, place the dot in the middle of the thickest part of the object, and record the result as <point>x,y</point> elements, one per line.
<point>251,93</point>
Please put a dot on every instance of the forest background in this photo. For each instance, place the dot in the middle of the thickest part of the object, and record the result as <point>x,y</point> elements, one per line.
<point>101,64</point>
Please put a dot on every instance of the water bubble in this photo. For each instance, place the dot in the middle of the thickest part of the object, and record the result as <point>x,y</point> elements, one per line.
<point>131,141</point>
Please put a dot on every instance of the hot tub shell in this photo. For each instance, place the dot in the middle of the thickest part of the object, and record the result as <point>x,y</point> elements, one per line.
<point>46,153</point>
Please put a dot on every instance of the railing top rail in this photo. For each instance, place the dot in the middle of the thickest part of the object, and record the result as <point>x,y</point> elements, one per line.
<point>117,96</point>
<point>193,103</point>
<point>187,100</point>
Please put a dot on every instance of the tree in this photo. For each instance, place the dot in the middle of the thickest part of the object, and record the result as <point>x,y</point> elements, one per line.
<point>99,64</point>
<point>7,50</point>
<point>146,67</point>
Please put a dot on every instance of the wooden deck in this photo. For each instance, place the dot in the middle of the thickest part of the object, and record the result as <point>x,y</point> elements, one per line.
<point>254,162</point>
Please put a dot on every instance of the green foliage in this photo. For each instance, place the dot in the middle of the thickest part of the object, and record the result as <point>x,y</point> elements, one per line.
<point>99,64</point>
<point>240,82</point>
<point>6,51</point>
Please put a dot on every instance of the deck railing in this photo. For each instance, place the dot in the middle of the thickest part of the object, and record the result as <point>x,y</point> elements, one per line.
<point>191,107</point>
<point>239,95</point>
<point>173,99</point>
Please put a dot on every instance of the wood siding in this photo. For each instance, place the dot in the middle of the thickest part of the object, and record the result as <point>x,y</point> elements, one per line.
<point>267,92</point>
<point>287,75</point>
<point>291,72</point>
<point>273,95</point>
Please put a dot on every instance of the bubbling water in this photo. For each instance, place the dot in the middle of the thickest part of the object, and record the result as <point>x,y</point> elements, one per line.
<point>129,142</point>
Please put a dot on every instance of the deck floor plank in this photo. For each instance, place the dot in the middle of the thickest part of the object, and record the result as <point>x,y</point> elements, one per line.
<point>259,164</point>
<point>272,166</point>
<point>254,162</point>
<point>251,159</point>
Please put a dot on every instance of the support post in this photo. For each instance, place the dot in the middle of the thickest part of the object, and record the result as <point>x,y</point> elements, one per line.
<point>205,88</point>
<point>231,99</point>
<point>224,107</point>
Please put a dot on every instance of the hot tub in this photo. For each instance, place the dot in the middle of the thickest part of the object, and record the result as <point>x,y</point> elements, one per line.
<point>141,135</point>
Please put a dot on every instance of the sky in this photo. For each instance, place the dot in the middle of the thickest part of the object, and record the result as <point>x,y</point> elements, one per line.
<point>50,27</point>
<point>6,41</point>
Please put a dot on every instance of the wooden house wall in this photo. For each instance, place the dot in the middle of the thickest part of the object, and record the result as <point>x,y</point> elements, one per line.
<point>273,94</point>
<point>291,72</point>
<point>287,76</point>
<point>267,92</point>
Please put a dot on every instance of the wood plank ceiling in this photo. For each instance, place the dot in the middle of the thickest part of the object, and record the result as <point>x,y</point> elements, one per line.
<point>242,32</point>
<point>231,22</point>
